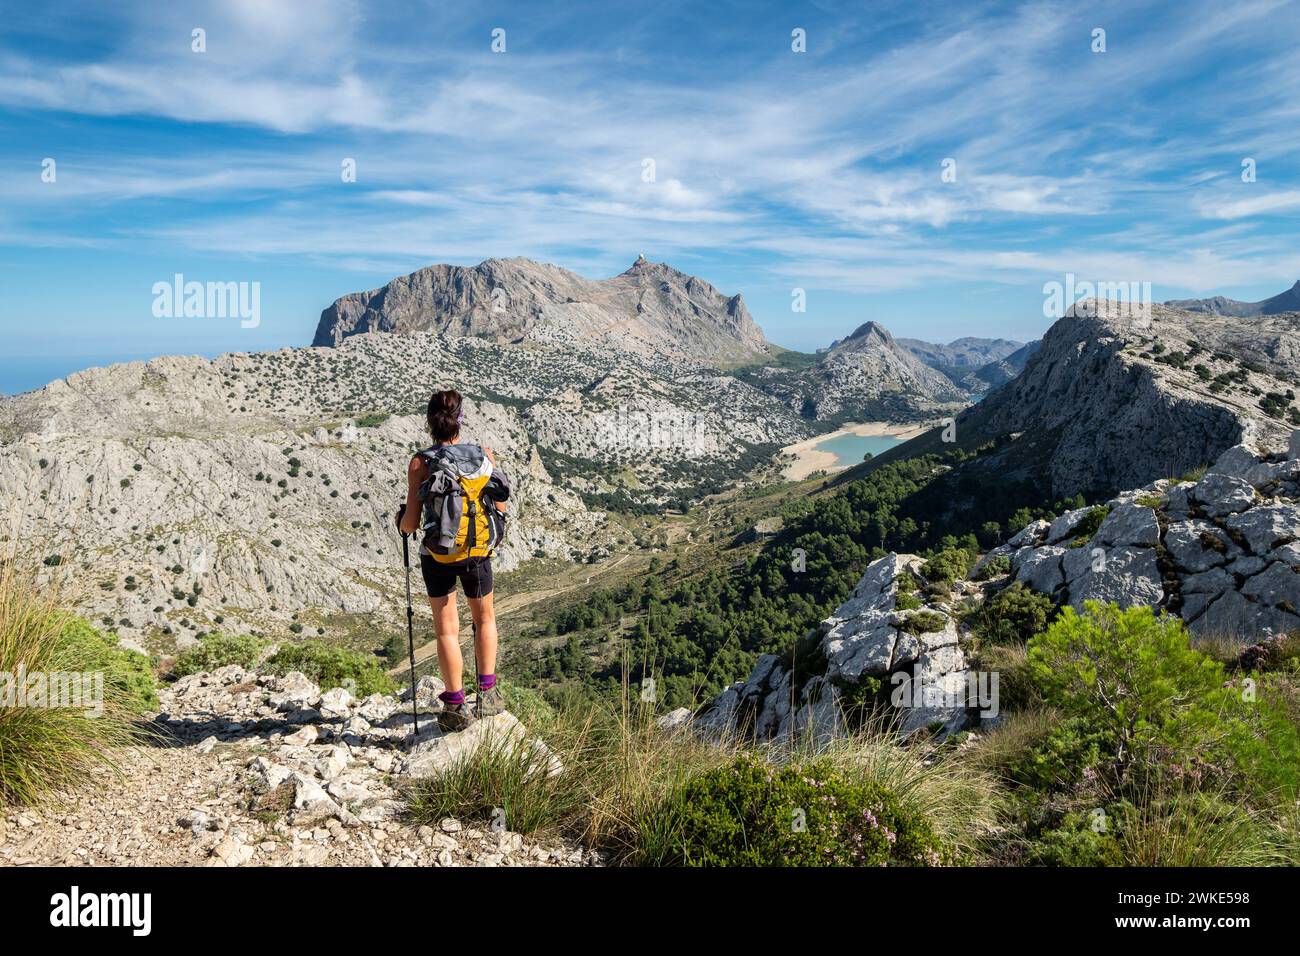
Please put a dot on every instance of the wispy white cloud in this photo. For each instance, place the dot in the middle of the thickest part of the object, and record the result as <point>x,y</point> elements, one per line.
<point>822,167</point>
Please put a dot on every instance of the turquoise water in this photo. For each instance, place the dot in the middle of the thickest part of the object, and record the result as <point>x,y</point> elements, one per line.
<point>849,449</point>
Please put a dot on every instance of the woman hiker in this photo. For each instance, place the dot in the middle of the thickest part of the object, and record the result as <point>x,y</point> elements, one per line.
<point>457,492</point>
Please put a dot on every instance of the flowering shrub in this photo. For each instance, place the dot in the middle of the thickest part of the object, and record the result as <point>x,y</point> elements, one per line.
<point>752,813</point>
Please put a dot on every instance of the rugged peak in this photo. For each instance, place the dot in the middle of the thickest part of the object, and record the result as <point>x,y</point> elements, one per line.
<point>868,369</point>
<point>651,309</point>
<point>868,331</point>
<point>644,268</point>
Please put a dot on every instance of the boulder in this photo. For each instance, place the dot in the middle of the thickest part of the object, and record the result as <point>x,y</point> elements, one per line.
<point>1267,526</point>
<point>1040,568</point>
<point>1064,526</point>
<point>294,692</point>
<point>1129,524</point>
<point>1030,535</point>
<point>1278,585</point>
<point>336,702</point>
<point>427,689</point>
<point>820,719</point>
<point>1235,617</point>
<point>434,755</point>
<point>674,720</point>
<point>1221,495</point>
<point>1127,576</point>
<point>861,646</point>
<point>377,708</point>
<point>1197,545</point>
<point>332,761</point>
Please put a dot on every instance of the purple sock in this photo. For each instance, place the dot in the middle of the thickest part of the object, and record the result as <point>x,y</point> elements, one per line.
<point>452,697</point>
<point>487,681</point>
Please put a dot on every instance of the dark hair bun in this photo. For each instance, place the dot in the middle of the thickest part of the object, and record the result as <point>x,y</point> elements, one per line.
<point>444,415</point>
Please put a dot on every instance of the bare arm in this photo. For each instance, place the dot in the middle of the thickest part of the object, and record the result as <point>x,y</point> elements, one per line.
<point>501,505</point>
<point>416,472</point>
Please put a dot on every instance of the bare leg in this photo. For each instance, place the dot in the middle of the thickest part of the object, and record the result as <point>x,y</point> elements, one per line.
<point>446,626</point>
<point>485,632</point>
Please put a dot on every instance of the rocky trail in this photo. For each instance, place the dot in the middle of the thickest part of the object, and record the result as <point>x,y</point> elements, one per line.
<point>255,770</point>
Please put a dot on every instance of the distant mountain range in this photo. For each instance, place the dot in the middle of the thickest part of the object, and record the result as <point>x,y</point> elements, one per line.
<point>190,494</point>
<point>1288,301</point>
<point>964,353</point>
<point>974,365</point>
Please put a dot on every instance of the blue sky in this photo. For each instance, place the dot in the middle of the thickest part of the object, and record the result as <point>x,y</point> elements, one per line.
<point>774,170</point>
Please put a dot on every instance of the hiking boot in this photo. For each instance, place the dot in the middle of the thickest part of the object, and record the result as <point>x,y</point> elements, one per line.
<point>455,717</point>
<point>489,703</point>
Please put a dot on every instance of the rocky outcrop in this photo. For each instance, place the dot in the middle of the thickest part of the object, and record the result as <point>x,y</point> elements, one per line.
<point>651,309</point>
<point>883,643</point>
<point>1222,552</point>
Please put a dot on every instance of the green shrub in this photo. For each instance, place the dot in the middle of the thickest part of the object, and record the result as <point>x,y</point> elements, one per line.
<point>1187,828</point>
<point>950,564</point>
<point>218,650</point>
<point>331,666</point>
<point>396,648</point>
<point>906,601</point>
<point>1260,741</point>
<point>129,672</point>
<point>751,813</point>
<point>1061,757</point>
<point>528,705</point>
<point>924,622</point>
<point>1089,525</point>
<point>994,567</point>
<point>1081,839</point>
<point>372,419</point>
<point>1131,675</point>
<point>1012,615</point>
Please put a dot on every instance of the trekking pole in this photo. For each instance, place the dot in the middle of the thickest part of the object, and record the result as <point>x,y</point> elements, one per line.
<point>473,630</point>
<point>410,620</point>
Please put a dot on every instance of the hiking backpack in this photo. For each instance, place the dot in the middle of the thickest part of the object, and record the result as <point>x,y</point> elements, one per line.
<point>460,517</point>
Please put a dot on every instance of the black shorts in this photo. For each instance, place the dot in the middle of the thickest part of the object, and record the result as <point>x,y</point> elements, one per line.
<point>474,574</point>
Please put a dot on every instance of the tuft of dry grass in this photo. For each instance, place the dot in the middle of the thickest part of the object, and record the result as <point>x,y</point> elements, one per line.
<point>49,752</point>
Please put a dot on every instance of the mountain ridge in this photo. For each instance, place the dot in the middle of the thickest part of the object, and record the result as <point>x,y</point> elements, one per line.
<point>1287,301</point>
<point>1112,401</point>
<point>650,309</point>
